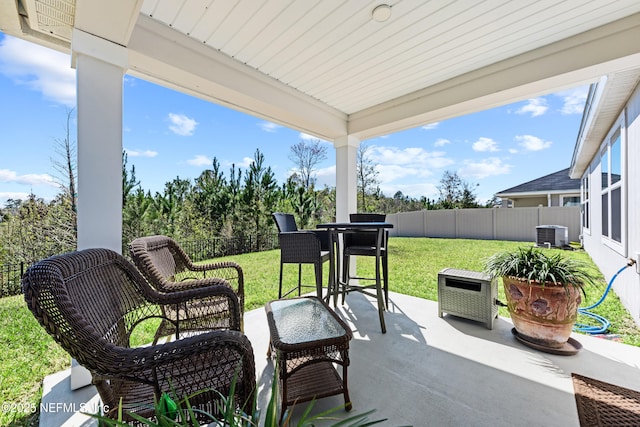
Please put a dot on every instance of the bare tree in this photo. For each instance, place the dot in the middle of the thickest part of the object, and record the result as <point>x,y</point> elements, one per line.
<point>449,189</point>
<point>66,166</point>
<point>455,192</point>
<point>129,181</point>
<point>307,155</point>
<point>367,174</point>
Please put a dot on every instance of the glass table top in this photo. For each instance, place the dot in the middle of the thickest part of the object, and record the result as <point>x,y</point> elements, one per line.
<point>304,320</point>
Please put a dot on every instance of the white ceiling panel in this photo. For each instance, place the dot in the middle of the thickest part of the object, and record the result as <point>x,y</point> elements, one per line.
<point>332,53</point>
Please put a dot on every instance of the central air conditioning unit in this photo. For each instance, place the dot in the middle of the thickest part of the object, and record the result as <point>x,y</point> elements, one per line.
<point>549,236</point>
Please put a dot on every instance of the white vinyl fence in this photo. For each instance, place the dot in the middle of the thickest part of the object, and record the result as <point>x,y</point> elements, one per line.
<point>517,224</point>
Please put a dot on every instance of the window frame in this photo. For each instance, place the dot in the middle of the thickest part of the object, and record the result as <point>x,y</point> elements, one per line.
<point>617,133</point>
<point>564,197</point>
<point>585,201</point>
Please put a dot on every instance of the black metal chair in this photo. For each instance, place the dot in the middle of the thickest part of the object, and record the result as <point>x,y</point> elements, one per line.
<point>364,243</point>
<point>300,247</point>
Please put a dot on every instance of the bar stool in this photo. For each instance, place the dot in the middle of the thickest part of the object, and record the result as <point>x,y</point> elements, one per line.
<point>300,247</point>
<point>364,243</point>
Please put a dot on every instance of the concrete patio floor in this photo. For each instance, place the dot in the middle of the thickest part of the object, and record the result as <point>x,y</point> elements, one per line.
<point>431,371</point>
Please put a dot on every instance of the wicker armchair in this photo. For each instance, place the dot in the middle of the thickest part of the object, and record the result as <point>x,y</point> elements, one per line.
<point>91,301</point>
<point>167,266</point>
<point>301,247</point>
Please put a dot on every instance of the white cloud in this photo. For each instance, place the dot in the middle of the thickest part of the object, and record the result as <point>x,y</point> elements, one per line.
<point>431,126</point>
<point>242,164</point>
<point>441,142</point>
<point>535,107</point>
<point>390,173</point>
<point>573,100</point>
<point>329,171</point>
<point>200,160</point>
<point>326,177</point>
<point>394,163</point>
<point>408,156</point>
<point>130,81</point>
<point>415,191</point>
<point>307,137</point>
<point>485,144</point>
<point>141,153</point>
<point>181,124</point>
<point>269,127</point>
<point>40,69</point>
<point>246,162</point>
<point>484,168</point>
<point>5,196</point>
<point>10,176</point>
<point>532,143</point>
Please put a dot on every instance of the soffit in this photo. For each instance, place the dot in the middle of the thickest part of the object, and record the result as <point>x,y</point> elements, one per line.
<point>616,90</point>
<point>53,17</point>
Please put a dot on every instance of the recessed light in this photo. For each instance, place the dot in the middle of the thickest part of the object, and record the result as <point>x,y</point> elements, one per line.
<point>381,13</point>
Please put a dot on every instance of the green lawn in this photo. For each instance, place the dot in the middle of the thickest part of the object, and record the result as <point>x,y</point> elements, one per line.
<point>414,264</point>
<point>29,354</point>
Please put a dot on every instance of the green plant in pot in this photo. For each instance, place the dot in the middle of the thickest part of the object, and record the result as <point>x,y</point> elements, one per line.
<point>543,289</point>
<point>170,412</point>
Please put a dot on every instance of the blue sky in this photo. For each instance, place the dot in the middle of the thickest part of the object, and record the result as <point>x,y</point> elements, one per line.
<point>168,134</point>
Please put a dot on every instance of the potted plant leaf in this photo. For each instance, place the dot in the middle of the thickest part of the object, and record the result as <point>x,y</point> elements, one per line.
<point>168,412</point>
<point>543,289</point>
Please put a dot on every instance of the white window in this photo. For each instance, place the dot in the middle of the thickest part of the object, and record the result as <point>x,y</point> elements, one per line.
<point>613,188</point>
<point>585,202</point>
<point>569,200</point>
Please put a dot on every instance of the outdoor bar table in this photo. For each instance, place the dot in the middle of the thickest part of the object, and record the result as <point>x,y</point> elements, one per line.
<point>338,286</point>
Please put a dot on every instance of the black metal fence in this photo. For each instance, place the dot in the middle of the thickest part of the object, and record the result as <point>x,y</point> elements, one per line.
<point>10,275</point>
<point>198,250</point>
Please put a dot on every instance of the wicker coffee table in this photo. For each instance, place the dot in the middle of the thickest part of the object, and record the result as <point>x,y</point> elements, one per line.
<point>308,339</point>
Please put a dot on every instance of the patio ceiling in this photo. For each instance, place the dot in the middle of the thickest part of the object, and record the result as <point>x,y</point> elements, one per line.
<point>329,69</point>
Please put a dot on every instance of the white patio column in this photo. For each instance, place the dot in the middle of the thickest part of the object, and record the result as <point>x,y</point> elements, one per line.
<point>100,67</point>
<point>346,180</point>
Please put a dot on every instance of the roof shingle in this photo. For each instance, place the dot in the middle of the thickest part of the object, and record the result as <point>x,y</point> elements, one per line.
<point>553,182</point>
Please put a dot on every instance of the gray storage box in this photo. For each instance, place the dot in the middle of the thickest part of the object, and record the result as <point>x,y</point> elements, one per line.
<point>468,294</point>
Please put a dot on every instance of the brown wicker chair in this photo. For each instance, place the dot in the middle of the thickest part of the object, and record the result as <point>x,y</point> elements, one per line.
<point>167,266</point>
<point>300,247</point>
<point>91,301</point>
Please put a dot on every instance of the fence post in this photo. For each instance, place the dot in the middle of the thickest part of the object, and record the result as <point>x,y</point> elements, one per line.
<point>494,222</point>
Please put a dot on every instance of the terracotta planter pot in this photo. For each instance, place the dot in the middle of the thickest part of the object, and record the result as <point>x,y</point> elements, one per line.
<point>543,315</point>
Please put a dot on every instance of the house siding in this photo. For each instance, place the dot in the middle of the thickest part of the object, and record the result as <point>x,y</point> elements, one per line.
<point>627,284</point>
<point>529,202</point>
<point>532,202</point>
